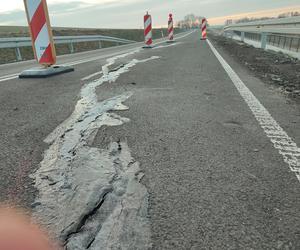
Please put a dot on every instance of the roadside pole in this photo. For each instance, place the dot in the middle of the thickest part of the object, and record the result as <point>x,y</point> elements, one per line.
<point>203,29</point>
<point>148,30</point>
<point>170,29</point>
<point>42,41</point>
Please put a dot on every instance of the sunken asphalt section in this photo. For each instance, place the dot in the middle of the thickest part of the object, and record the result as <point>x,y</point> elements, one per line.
<point>213,177</point>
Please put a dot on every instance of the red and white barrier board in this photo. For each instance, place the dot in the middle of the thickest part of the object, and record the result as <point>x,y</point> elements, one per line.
<point>203,29</point>
<point>148,29</point>
<point>41,32</point>
<point>171,28</point>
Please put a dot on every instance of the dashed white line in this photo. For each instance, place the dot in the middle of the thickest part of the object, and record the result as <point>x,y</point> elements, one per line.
<point>167,45</point>
<point>8,77</point>
<point>280,139</point>
<point>185,35</point>
<point>91,76</point>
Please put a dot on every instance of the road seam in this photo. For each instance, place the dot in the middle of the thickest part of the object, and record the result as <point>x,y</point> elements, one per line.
<point>280,139</point>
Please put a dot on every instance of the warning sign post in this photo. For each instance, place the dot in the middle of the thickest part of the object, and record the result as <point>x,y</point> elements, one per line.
<point>42,41</point>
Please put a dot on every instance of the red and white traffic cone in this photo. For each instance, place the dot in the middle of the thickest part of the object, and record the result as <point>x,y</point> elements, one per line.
<point>203,29</point>
<point>42,40</point>
<point>148,30</point>
<point>171,29</point>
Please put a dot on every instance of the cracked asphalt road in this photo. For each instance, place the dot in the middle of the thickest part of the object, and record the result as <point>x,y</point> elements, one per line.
<point>214,179</point>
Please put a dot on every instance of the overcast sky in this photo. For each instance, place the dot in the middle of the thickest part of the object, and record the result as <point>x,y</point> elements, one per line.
<point>129,13</point>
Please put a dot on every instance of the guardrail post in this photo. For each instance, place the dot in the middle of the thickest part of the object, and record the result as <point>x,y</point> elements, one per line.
<point>71,48</point>
<point>284,42</point>
<point>291,43</point>
<point>242,36</point>
<point>264,37</point>
<point>18,54</point>
<point>100,45</point>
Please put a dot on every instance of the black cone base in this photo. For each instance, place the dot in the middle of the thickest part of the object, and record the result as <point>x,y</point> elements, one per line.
<point>43,72</point>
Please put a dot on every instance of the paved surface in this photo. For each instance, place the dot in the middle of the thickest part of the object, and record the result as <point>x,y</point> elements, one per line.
<point>29,113</point>
<point>214,179</point>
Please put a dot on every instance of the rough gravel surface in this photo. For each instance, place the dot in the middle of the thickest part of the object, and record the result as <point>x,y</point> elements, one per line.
<point>273,68</point>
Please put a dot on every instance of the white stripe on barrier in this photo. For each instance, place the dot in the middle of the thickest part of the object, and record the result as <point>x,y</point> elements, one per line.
<point>148,22</point>
<point>42,42</point>
<point>280,139</point>
<point>149,35</point>
<point>32,6</point>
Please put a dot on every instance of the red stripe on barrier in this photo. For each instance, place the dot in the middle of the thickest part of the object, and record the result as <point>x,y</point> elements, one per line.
<point>47,56</point>
<point>148,29</point>
<point>38,21</point>
<point>146,18</point>
<point>149,42</point>
<point>203,29</point>
<point>170,27</point>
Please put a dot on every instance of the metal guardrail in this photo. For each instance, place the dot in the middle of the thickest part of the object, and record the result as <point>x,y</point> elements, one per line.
<point>289,21</point>
<point>267,31</point>
<point>19,42</point>
<point>289,25</point>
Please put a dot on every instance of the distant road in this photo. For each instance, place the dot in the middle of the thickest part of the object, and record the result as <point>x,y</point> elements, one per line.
<point>12,70</point>
<point>196,152</point>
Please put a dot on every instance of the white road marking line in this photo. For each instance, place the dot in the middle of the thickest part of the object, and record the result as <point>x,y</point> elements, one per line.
<point>9,77</point>
<point>177,38</point>
<point>14,76</point>
<point>280,139</point>
<point>167,45</point>
<point>1,77</point>
<point>91,76</point>
<point>185,35</point>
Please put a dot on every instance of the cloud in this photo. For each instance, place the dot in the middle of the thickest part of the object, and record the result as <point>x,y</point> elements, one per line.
<point>67,7</point>
<point>16,17</point>
<point>264,13</point>
<point>129,13</point>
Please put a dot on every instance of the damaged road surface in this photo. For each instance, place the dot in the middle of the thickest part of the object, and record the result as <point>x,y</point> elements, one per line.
<point>176,147</point>
<point>91,198</point>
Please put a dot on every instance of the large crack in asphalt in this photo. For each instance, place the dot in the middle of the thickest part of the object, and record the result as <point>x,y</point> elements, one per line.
<point>92,198</point>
